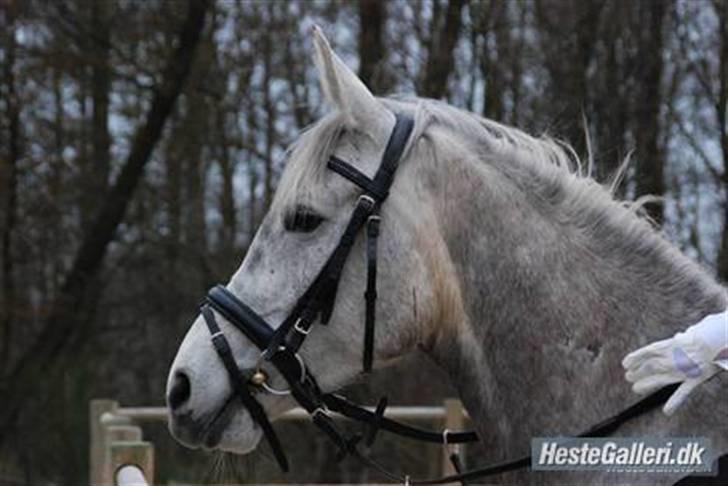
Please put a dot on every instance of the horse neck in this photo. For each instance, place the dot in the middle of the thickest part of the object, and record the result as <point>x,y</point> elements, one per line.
<point>556,288</point>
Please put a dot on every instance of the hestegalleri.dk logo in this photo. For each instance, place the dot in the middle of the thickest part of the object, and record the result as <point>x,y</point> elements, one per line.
<point>623,454</point>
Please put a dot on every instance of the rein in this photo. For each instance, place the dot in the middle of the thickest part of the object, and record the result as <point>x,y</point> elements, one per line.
<point>280,346</point>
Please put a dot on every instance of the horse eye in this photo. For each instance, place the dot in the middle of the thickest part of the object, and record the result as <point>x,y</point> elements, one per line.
<point>302,220</point>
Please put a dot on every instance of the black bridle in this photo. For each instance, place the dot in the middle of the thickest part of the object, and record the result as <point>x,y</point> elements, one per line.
<point>280,346</point>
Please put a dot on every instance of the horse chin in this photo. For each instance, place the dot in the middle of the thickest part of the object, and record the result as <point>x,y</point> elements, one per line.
<point>240,437</point>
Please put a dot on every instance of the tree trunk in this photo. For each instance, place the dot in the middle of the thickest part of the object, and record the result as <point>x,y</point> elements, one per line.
<point>721,108</point>
<point>45,356</point>
<point>228,230</point>
<point>488,18</point>
<point>569,32</point>
<point>172,203</point>
<point>611,103</point>
<point>650,175</point>
<point>270,113</point>
<point>190,149</point>
<point>194,168</point>
<point>8,184</point>
<point>440,60</point>
<point>56,184</point>
<point>100,88</point>
<point>372,53</point>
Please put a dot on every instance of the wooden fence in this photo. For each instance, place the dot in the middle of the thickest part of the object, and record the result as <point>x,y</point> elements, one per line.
<point>120,456</point>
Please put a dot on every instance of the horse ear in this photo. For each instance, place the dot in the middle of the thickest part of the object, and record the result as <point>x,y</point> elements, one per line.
<point>342,88</point>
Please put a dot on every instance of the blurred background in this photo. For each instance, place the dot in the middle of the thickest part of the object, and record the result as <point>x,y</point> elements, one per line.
<point>141,142</point>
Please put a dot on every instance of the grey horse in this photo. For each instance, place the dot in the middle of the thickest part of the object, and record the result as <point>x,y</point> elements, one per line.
<point>525,279</point>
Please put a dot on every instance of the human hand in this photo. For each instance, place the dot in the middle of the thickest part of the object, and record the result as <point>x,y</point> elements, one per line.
<point>691,357</point>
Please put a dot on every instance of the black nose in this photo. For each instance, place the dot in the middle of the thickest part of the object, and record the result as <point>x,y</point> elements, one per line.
<point>180,392</point>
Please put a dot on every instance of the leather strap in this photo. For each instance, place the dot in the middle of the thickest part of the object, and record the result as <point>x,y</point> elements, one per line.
<point>602,429</point>
<point>306,391</point>
<point>353,174</point>
<point>392,153</point>
<point>457,464</point>
<point>245,319</point>
<point>372,427</point>
<point>309,396</point>
<point>257,413</point>
<point>320,297</point>
<point>370,295</point>
<point>341,405</point>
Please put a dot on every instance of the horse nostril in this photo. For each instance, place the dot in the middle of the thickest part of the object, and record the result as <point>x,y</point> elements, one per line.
<point>180,392</point>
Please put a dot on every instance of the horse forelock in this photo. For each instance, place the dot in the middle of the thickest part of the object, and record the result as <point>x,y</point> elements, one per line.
<point>306,159</point>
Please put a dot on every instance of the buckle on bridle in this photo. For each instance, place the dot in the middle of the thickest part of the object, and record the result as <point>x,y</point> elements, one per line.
<point>444,437</point>
<point>368,200</point>
<point>455,448</point>
<point>300,329</point>
<point>373,222</point>
<point>274,391</point>
<point>267,353</point>
<point>321,410</point>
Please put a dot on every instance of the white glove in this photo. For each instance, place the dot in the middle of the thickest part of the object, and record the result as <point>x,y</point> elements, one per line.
<point>691,357</point>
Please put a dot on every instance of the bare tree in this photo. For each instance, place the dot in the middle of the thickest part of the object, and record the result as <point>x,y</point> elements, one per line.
<point>569,31</point>
<point>490,49</point>
<point>721,114</point>
<point>270,110</point>
<point>440,56</point>
<point>9,181</point>
<point>650,172</point>
<point>43,357</point>
<point>100,88</point>
<point>372,52</point>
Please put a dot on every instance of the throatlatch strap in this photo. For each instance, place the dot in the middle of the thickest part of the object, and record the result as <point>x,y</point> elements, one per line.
<point>222,347</point>
<point>370,295</point>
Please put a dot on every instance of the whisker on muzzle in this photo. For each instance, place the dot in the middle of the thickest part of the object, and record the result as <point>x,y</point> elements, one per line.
<point>219,469</point>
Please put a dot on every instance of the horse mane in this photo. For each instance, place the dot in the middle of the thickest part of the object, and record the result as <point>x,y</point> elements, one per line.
<point>548,169</point>
<point>549,158</point>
